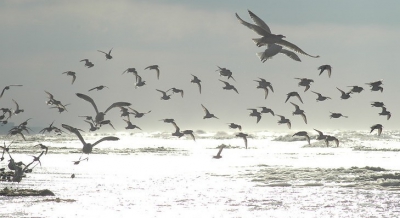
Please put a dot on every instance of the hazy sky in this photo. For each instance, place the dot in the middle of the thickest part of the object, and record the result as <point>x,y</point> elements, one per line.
<point>42,39</point>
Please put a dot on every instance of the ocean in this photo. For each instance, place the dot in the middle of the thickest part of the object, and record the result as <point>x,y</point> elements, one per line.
<point>157,175</point>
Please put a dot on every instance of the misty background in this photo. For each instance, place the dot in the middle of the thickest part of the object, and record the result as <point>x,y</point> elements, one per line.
<point>40,40</point>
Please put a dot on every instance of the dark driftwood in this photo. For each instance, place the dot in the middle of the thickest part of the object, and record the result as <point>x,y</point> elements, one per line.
<point>25,192</point>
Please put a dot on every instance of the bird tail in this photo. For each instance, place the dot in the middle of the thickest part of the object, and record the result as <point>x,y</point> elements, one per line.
<point>259,42</point>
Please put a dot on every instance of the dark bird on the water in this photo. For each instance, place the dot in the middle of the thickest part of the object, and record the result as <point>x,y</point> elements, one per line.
<point>208,114</point>
<point>7,88</point>
<point>379,127</point>
<point>88,147</point>
<point>326,67</point>
<point>197,81</point>
<point>292,94</point>
<point>303,133</point>
<point>108,55</point>
<point>88,64</point>
<point>244,136</point>
<point>154,67</point>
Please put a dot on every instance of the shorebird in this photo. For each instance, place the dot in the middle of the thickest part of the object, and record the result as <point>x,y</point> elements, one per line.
<point>376,83</point>
<point>266,110</point>
<point>228,86</point>
<point>235,126</point>
<point>284,120</point>
<point>190,133</point>
<point>88,147</point>
<point>177,132</point>
<point>208,114</point>
<point>274,49</point>
<point>7,88</point>
<point>321,135</point>
<point>92,126</point>
<point>356,89</point>
<point>88,118</point>
<point>292,94</point>
<point>130,125</point>
<point>164,96</point>
<point>76,162</point>
<point>71,73</point>
<point>175,90</point>
<point>88,64</point>
<point>61,108</point>
<point>37,158</point>
<point>345,95</point>
<point>385,112</point>
<point>42,147</point>
<point>331,138</point>
<point>377,104</point>
<point>225,72</point>
<point>131,70</point>
<point>305,82</point>
<point>264,83</point>
<point>137,113</point>
<point>376,88</point>
<point>326,67</point>
<point>337,115</point>
<point>262,29</point>
<point>108,55</point>
<point>47,129</point>
<point>98,88</point>
<point>303,133</point>
<point>105,122</point>
<point>139,82</point>
<point>5,149</point>
<point>298,111</point>
<point>154,67</point>
<point>168,120</point>
<point>17,109</point>
<point>218,156</point>
<point>255,113</point>
<point>244,136</point>
<point>379,127</point>
<point>53,101</point>
<point>320,97</point>
<point>197,81</point>
<point>100,115</point>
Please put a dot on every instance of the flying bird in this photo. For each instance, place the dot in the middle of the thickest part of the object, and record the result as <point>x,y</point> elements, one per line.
<point>164,96</point>
<point>88,147</point>
<point>326,67</point>
<point>88,64</point>
<point>208,114</point>
<point>7,88</point>
<point>331,138</point>
<point>386,113</point>
<point>274,49</point>
<point>17,109</point>
<point>298,111</point>
<point>345,95</point>
<point>108,55</point>
<point>98,88</point>
<point>356,89</point>
<point>154,67</point>
<point>337,115</point>
<point>378,127</point>
<point>292,94</point>
<point>71,73</point>
<point>303,133</point>
<point>225,72</point>
<point>320,97</point>
<point>244,136</point>
<point>255,113</point>
<point>175,90</point>
<point>235,126</point>
<point>284,120</point>
<point>197,81</point>
<point>228,86</point>
<point>321,135</point>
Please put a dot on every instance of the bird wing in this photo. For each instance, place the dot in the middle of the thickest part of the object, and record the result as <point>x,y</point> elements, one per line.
<point>89,99</point>
<point>266,92</point>
<point>259,30</point>
<point>92,89</point>
<point>245,141</point>
<point>258,118</point>
<point>220,150</point>
<point>2,92</point>
<point>379,131</point>
<point>73,78</point>
<point>49,94</point>
<point>294,47</point>
<point>108,138</point>
<point>298,96</point>
<point>259,22</point>
<point>308,139</point>
<point>16,104</point>
<point>101,51</point>
<point>205,109</point>
<point>289,124</point>
<point>158,73</point>
<point>295,105</point>
<point>75,131</point>
<point>118,104</point>
<point>304,117</point>
<point>290,54</point>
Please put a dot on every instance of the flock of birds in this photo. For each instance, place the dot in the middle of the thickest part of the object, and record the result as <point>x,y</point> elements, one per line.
<point>275,44</point>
